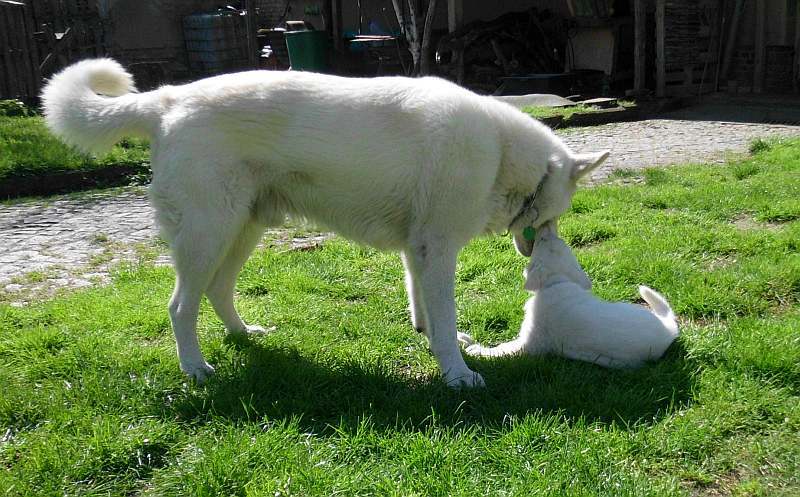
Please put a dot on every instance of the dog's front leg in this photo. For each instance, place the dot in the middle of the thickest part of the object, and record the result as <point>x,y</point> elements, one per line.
<point>433,269</point>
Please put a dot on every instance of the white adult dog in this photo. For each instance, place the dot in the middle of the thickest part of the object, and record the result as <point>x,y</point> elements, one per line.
<point>415,165</point>
<point>564,318</point>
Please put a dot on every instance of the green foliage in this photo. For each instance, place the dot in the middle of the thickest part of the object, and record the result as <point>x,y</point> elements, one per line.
<point>14,108</point>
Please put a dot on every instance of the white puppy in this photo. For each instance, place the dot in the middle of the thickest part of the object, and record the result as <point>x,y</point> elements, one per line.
<point>418,166</point>
<point>564,318</point>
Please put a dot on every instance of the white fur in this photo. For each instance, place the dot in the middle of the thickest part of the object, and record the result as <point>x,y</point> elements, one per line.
<point>564,318</point>
<point>420,166</point>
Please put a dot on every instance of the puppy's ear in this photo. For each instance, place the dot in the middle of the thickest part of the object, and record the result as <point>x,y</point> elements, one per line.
<point>586,163</point>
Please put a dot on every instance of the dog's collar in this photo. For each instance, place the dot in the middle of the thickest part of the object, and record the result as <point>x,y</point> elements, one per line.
<point>528,203</point>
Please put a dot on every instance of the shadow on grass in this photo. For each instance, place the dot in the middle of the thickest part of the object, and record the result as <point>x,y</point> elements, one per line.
<point>259,382</point>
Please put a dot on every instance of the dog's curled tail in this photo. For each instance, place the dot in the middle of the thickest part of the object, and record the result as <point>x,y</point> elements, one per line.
<point>660,308</point>
<point>92,104</point>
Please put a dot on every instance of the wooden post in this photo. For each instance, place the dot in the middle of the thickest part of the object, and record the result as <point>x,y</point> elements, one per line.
<point>12,79</point>
<point>250,26</point>
<point>336,24</point>
<point>455,14</point>
<point>796,65</point>
<point>730,43</point>
<point>425,48</point>
<point>661,63</point>
<point>640,46</point>
<point>759,65</point>
<point>31,53</point>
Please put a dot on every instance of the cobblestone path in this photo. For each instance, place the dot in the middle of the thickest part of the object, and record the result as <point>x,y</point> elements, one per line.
<point>653,142</point>
<point>73,241</point>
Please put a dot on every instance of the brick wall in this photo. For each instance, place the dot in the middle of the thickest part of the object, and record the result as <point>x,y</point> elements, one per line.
<point>778,71</point>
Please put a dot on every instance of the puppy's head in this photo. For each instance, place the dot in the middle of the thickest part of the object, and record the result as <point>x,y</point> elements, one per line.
<point>553,261</point>
<point>554,198</point>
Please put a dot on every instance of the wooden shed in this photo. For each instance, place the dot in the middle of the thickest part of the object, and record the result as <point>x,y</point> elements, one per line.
<point>698,46</point>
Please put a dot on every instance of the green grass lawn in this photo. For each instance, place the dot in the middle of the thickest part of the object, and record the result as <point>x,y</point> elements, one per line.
<point>27,149</point>
<point>344,397</point>
<point>540,112</point>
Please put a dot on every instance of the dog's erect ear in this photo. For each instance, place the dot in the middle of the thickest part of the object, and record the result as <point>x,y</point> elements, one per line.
<point>586,163</point>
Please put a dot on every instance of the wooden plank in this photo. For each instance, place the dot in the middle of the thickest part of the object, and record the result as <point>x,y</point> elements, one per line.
<point>759,64</point>
<point>730,43</point>
<point>796,65</point>
<point>15,23</point>
<point>687,75</point>
<point>31,54</point>
<point>336,24</point>
<point>660,56</point>
<point>640,45</point>
<point>5,90</point>
<point>250,28</point>
<point>455,15</point>
<point>10,68</point>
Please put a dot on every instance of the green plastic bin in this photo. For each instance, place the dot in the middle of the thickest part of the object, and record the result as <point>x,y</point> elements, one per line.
<point>308,50</point>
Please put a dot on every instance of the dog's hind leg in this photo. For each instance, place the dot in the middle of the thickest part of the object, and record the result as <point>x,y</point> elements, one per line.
<point>221,289</point>
<point>433,268</point>
<point>201,239</point>
<point>418,319</point>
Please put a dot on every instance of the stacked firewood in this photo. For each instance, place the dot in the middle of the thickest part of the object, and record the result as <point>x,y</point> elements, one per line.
<point>515,44</point>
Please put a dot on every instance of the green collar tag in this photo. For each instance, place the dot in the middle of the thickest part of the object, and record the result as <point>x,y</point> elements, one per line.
<point>529,233</point>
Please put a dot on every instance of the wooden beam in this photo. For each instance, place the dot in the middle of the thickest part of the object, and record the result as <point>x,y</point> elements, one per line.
<point>640,46</point>
<point>8,64</point>
<point>31,53</point>
<point>661,63</point>
<point>455,14</point>
<point>336,24</point>
<point>759,65</point>
<point>796,65</point>
<point>250,26</point>
<point>730,43</point>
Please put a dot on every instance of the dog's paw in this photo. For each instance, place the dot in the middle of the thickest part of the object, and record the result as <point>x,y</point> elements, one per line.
<point>198,372</point>
<point>465,379</point>
<point>464,339</point>
<point>252,329</point>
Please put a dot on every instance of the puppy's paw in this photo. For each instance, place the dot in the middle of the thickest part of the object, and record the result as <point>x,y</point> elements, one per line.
<point>464,339</point>
<point>198,372</point>
<point>475,350</point>
<point>465,379</point>
<point>252,329</point>
<point>259,330</point>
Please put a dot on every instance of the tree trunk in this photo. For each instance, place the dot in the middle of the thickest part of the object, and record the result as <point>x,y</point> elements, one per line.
<point>419,46</point>
<point>425,52</point>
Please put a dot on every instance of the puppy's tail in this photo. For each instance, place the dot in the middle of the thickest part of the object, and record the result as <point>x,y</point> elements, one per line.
<point>660,308</point>
<point>92,104</point>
